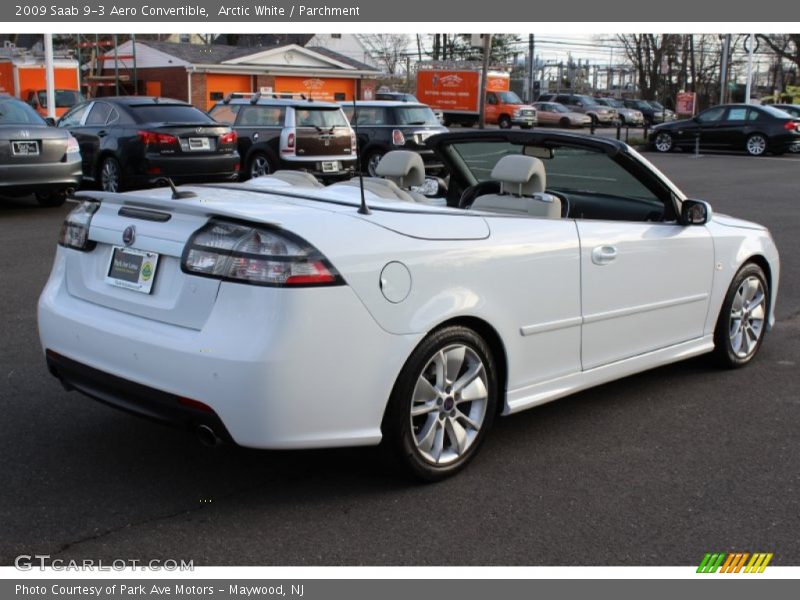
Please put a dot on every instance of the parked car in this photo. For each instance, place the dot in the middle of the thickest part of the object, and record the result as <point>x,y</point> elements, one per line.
<point>284,317</point>
<point>793,110</point>
<point>666,114</point>
<point>384,126</point>
<point>754,129</point>
<point>627,116</point>
<point>406,97</point>
<point>34,157</point>
<point>600,115</point>
<point>65,99</point>
<point>651,115</point>
<point>289,132</point>
<point>553,113</point>
<point>139,141</point>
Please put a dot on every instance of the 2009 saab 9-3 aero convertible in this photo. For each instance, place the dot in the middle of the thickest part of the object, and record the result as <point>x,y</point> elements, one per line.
<point>278,314</point>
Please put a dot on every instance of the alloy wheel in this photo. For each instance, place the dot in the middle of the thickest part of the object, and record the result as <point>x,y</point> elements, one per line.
<point>372,163</point>
<point>746,322</point>
<point>109,175</point>
<point>756,145</point>
<point>663,142</point>
<point>449,404</point>
<point>259,166</point>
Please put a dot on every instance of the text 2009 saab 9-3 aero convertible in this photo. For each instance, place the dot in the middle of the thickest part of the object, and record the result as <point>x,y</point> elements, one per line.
<point>279,313</point>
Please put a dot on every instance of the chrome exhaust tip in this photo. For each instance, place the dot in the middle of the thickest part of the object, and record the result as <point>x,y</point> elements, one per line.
<point>207,436</point>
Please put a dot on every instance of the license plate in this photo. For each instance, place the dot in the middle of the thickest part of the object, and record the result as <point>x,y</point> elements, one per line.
<point>199,144</point>
<point>132,269</point>
<point>25,148</point>
<point>331,166</point>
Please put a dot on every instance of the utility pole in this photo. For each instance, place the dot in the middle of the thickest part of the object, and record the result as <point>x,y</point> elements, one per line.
<point>487,48</point>
<point>723,80</point>
<point>751,42</point>
<point>691,63</point>
<point>531,85</point>
<point>49,73</point>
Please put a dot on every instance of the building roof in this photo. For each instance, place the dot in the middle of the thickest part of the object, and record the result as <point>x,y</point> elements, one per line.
<point>263,40</point>
<point>356,64</point>
<point>221,54</point>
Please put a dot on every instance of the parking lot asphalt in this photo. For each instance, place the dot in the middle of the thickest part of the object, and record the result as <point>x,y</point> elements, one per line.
<point>655,469</point>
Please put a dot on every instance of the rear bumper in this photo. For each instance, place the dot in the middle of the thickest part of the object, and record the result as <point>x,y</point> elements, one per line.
<point>133,397</point>
<point>186,169</point>
<point>272,364</point>
<point>40,177</point>
<point>313,165</point>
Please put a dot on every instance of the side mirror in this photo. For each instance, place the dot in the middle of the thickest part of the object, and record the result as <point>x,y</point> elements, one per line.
<point>695,212</point>
<point>50,121</point>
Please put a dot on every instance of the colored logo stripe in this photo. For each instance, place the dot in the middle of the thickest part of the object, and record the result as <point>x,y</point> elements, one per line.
<point>734,562</point>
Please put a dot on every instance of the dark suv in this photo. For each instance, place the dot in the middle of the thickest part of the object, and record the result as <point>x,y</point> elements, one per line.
<point>280,132</point>
<point>389,125</point>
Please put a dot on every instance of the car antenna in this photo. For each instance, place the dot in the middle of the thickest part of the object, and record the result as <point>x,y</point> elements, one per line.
<point>176,195</point>
<point>363,209</point>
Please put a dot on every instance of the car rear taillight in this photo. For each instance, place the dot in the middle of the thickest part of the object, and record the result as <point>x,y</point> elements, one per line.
<point>791,126</point>
<point>72,145</point>
<point>229,138</point>
<point>75,229</point>
<point>154,138</point>
<point>290,139</point>
<point>256,254</point>
<point>398,139</point>
<point>353,143</point>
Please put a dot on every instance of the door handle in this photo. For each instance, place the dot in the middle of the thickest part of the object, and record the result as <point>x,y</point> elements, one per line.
<point>602,255</point>
<point>102,133</point>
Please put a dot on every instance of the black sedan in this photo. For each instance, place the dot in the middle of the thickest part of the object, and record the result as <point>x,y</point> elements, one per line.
<point>138,141</point>
<point>34,157</point>
<point>754,129</point>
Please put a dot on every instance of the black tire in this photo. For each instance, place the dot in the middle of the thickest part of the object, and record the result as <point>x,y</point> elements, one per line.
<point>564,123</point>
<point>258,165</point>
<point>504,122</point>
<point>110,175</point>
<point>725,354</point>
<point>756,144</point>
<point>51,199</point>
<point>664,142</point>
<point>401,429</point>
<point>371,162</point>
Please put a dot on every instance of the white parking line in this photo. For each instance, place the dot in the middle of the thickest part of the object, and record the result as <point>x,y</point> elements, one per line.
<point>691,155</point>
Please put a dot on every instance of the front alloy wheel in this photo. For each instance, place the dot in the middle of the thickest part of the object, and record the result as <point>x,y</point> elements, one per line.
<point>756,144</point>
<point>443,403</point>
<point>372,163</point>
<point>664,142</point>
<point>743,320</point>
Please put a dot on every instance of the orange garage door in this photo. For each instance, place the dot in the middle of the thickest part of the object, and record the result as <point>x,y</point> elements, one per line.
<point>319,88</point>
<point>218,85</point>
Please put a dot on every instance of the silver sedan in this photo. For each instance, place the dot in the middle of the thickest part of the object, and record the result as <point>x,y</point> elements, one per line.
<point>553,113</point>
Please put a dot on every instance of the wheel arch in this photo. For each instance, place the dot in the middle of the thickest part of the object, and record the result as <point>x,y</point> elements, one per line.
<point>493,340</point>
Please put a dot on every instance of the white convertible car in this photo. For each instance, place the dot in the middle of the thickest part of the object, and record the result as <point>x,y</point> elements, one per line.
<point>282,314</point>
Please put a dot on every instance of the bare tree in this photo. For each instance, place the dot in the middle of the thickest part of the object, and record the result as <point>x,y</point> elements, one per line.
<point>388,49</point>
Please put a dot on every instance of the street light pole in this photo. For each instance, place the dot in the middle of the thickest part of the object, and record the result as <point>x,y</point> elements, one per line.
<point>487,48</point>
<point>751,42</point>
<point>49,74</point>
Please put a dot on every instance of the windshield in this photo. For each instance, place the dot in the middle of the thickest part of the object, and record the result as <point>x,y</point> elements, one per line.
<point>169,113</point>
<point>642,105</point>
<point>320,117</point>
<point>508,98</point>
<point>656,105</point>
<point>587,100</point>
<point>571,170</point>
<point>615,102</point>
<point>416,115</point>
<point>14,112</point>
<point>64,98</point>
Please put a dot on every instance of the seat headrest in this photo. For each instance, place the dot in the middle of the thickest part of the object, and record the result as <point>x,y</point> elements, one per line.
<point>520,175</point>
<point>403,167</point>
